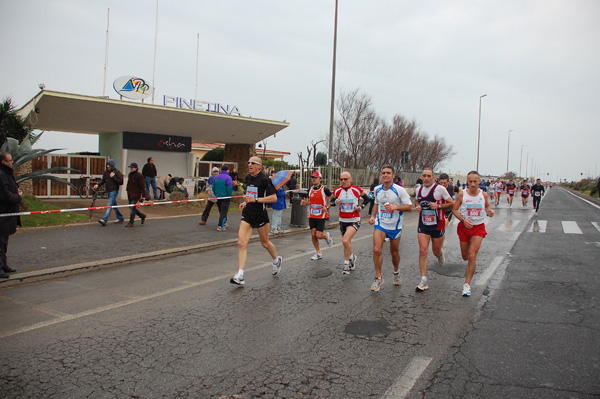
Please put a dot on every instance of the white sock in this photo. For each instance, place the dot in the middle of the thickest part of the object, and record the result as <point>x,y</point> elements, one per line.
<point>424,278</point>
<point>240,273</point>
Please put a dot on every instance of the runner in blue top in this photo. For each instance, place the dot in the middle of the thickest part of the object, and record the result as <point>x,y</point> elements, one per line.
<point>391,201</point>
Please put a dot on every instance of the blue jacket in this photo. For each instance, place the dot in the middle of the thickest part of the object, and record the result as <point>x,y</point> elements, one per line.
<point>223,185</point>
<point>280,204</point>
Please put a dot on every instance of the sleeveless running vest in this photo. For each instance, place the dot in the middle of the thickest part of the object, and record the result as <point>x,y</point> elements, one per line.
<point>473,208</point>
<point>318,203</point>
<point>430,219</point>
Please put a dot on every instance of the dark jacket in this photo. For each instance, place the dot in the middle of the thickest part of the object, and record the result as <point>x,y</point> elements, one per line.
<point>9,201</point>
<point>149,170</point>
<point>112,183</point>
<point>136,186</point>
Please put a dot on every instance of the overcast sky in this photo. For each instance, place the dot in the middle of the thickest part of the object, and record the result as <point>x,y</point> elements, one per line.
<point>537,61</point>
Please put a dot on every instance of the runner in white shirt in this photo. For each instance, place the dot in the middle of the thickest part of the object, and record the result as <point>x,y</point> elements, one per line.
<point>391,201</point>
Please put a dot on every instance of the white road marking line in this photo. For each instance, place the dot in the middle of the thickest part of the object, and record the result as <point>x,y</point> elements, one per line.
<point>570,227</point>
<point>538,226</point>
<point>409,377</point>
<point>508,225</point>
<point>596,225</point>
<point>489,272</point>
<point>583,199</point>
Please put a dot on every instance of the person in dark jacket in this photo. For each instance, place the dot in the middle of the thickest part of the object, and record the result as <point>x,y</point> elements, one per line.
<point>10,198</point>
<point>149,172</point>
<point>136,188</point>
<point>113,178</point>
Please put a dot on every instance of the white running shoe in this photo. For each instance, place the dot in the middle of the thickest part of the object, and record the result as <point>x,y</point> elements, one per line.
<point>277,265</point>
<point>316,256</point>
<point>397,279</point>
<point>237,279</point>
<point>353,262</point>
<point>377,284</point>
<point>466,289</point>
<point>329,240</point>
<point>346,269</point>
<point>441,259</point>
<point>422,285</point>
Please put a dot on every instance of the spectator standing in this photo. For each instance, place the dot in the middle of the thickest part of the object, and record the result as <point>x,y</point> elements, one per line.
<point>149,173</point>
<point>211,196</point>
<point>292,184</point>
<point>136,188</point>
<point>233,173</point>
<point>223,190</point>
<point>10,198</point>
<point>113,178</point>
<point>278,208</point>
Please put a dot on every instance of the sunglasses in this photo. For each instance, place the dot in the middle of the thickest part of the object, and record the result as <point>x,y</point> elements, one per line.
<point>253,163</point>
<point>344,179</point>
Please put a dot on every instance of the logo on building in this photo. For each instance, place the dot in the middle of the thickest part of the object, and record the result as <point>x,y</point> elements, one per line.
<point>132,87</point>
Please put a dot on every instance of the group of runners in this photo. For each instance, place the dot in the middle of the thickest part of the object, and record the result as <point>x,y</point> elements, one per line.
<point>435,204</point>
<point>496,188</point>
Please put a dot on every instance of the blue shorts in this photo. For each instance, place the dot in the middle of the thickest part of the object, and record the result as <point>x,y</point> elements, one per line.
<point>391,234</point>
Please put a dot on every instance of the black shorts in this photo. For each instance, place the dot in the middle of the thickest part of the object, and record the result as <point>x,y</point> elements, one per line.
<point>318,224</point>
<point>344,226</point>
<point>431,232</point>
<point>256,220</point>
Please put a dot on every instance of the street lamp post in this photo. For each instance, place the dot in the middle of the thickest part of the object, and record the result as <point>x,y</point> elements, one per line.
<point>508,152</point>
<point>521,160</point>
<point>479,131</point>
<point>331,113</point>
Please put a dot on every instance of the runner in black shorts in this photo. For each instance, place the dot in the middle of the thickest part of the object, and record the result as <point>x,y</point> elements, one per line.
<point>318,200</point>
<point>259,191</point>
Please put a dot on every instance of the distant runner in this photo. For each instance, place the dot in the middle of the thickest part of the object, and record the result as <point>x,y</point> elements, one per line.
<point>524,193</point>
<point>537,192</point>
<point>510,192</point>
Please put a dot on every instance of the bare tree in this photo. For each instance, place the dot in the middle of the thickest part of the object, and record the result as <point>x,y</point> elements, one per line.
<point>355,130</point>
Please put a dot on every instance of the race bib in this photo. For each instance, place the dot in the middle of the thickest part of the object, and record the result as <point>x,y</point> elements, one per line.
<point>385,214</point>
<point>537,193</point>
<point>347,205</point>
<point>316,210</point>
<point>429,217</point>
<point>474,210</point>
<point>252,190</point>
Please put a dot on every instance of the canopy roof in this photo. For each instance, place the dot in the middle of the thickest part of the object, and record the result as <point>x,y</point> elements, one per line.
<point>74,113</point>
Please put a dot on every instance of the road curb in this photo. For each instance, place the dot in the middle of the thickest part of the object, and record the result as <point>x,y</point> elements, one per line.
<point>18,279</point>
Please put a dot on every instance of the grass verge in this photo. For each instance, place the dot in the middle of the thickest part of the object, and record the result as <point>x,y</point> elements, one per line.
<point>31,204</point>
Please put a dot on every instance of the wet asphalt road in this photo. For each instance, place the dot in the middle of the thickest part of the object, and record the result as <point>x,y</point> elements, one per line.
<point>176,327</point>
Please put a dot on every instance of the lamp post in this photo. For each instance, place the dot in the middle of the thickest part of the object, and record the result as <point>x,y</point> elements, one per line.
<point>479,131</point>
<point>508,152</point>
<point>329,165</point>
<point>521,160</point>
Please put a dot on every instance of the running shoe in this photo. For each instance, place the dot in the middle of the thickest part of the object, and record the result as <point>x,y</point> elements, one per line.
<point>353,262</point>
<point>422,285</point>
<point>219,228</point>
<point>386,239</point>
<point>397,279</point>
<point>346,269</point>
<point>466,289</point>
<point>277,265</point>
<point>377,284</point>
<point>329,240</point>
<point>237,279</point>
<point>441,259</point>
<point>316,256</point>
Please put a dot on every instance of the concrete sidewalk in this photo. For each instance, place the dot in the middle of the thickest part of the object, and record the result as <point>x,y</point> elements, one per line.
<point>50,252</point>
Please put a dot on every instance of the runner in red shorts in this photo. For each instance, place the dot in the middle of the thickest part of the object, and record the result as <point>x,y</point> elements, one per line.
<point>469,208</point>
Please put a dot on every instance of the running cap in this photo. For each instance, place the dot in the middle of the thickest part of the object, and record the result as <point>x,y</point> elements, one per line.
<point>317,174</point>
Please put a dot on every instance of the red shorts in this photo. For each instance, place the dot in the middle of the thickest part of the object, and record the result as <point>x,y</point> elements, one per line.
<point>464,234</point>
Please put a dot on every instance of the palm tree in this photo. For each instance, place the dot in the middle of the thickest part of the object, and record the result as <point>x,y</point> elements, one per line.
<point>11,124</point>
